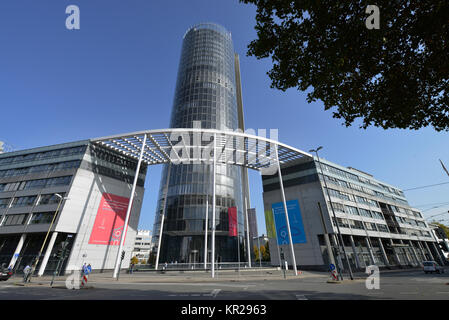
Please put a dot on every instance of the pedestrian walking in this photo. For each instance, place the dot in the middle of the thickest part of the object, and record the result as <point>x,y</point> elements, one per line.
<point>84,268</point>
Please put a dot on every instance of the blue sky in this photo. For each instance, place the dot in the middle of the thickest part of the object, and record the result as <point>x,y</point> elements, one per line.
<point>117,74</point>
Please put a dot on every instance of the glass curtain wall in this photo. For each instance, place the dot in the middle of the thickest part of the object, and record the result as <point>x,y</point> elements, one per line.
<point>205,97</point>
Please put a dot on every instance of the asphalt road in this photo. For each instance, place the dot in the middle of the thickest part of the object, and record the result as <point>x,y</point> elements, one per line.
<point>403,285</point>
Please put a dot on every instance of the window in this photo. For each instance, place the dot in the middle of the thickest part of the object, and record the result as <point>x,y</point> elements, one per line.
<point>341,222</point>
<point>15,219</point>
<point>377,215</point>
<point>365,213</point>
<point>382,228</point>
<point>4,202</point>
<point>23,201</point>
<point>352,210</point>
<point>370,226</point>
<point>338,207</point>
<point>355,224</point>
<point>50,198</point>
<point>45,183</point>
<point>42,217</point>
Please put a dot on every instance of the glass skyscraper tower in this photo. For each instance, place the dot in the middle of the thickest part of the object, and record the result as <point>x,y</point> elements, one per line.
<point>208,95</point>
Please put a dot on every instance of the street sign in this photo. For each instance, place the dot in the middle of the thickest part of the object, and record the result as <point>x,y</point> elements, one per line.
<point>332,267</point>
<point>89,269</point>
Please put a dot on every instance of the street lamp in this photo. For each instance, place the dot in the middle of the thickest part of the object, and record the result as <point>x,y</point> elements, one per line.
<point>333,212</point>
<point>46,236</point>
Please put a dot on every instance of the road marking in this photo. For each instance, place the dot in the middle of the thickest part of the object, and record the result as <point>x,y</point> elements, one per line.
<point>408,292</point>
<point>186,284</point>
<point>443,292</point>
<point>213,293</point>
<point>301,297</point>
<point>375,293</point>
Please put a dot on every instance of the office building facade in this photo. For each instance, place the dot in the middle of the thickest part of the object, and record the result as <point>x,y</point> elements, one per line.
<point>142,246</point>
<point>377,224</point>
<point>208,95</point>
<point>76,193</point>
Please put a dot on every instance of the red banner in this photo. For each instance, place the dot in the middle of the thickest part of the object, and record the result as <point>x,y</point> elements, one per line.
<point>110,220</point>
<point>232,213</point>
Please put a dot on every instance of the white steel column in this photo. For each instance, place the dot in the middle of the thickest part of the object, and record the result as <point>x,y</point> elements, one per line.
<point>370,250</point>
<point>428,250</point>
<point>128,211</point>
<point>414,252</point>
<point>387,263</point>
<point>339,259</point>
<point>47,254</point>
<point>163,216</point>
<point>355,252</point>
<point>205,231</point>
<point>17,251</point>
<point>438,252</point>
<point>422,250</point>
<point>394,252</point>
<point>247,234</point>
<point>409,261</point>
<point>292,251</point>
<point>213,207</point>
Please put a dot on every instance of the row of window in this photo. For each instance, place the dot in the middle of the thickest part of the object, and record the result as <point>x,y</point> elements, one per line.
<point>26,201</point>
<point>34,184</point>
<point>411,222</point>
<point>199,188</point>
<point>355,224</point>
<point>413,232</point>
<point>21,219</point>
<point>354,177</point>
<point>373,214</point>
<point>360,225</point>
<point>40,168</point>
<point>43,155</point>
<point>106,155</point>
<point>405,211</point>
<point>357,211</point>
<point>350,197</point>
<point>356,187</point>
<point>200,199</point>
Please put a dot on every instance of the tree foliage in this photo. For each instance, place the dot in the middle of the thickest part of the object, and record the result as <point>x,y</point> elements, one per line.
<point>256,253</point>
<point>442,226</point>
<point>396,76</point>
<point>266,253</point>
<point>134,260</point>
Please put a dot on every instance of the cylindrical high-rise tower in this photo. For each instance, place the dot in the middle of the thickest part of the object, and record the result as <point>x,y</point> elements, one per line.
<point>206,97</point>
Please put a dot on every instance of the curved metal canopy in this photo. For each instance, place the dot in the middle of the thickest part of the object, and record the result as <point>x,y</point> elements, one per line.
<point>195,145</point>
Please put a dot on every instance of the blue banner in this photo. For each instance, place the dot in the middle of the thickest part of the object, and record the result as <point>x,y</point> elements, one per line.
<point>294,219</point>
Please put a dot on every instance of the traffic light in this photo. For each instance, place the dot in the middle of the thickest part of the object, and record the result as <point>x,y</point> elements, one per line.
<point>123,255</point>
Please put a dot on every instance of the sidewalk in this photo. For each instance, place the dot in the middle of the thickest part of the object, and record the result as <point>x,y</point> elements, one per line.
<point>180,276</point>
<point>199,276</point>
